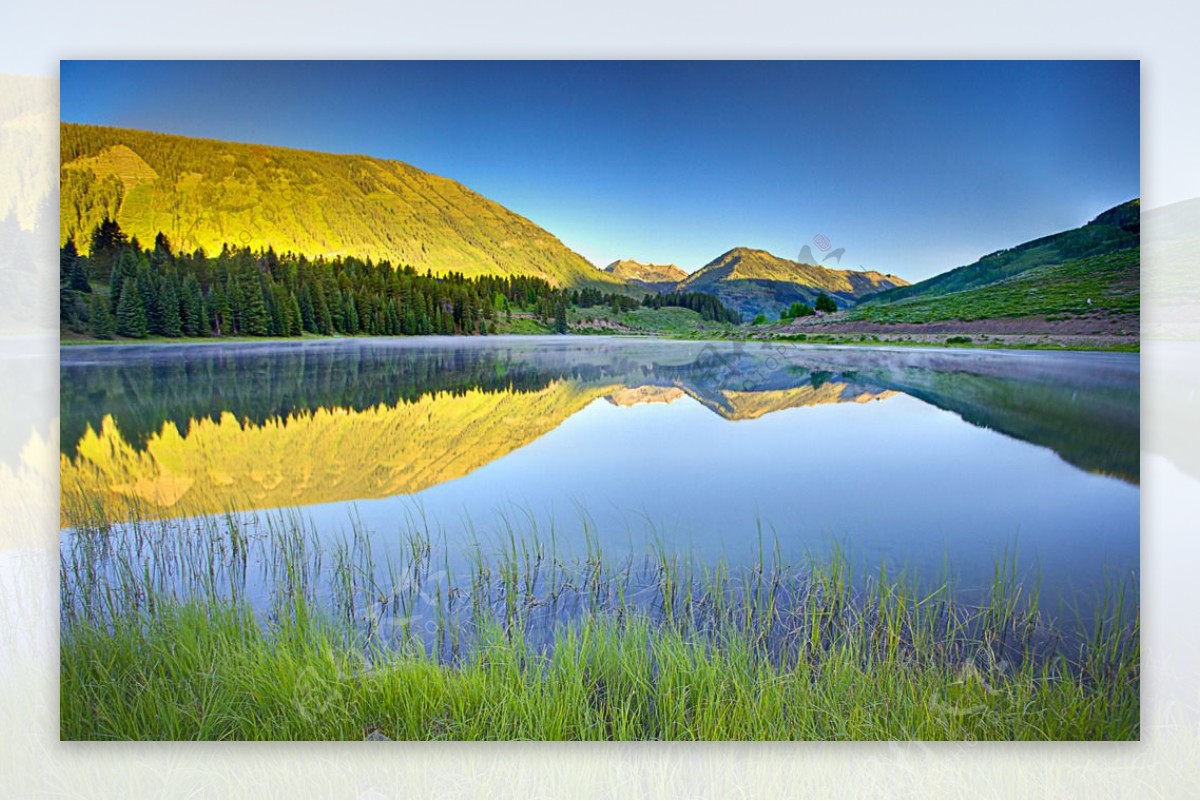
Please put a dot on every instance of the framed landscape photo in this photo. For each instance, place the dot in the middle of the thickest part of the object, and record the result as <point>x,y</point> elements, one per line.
<point>652,400</point>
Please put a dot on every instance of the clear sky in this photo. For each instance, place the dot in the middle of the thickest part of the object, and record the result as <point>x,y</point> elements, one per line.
<point>912,167</point>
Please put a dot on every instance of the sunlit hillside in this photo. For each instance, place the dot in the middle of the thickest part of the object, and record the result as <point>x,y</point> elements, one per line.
<point>205,193</point>
<point>310,457</point>
<point>313,457</point>
<point>753,281</point>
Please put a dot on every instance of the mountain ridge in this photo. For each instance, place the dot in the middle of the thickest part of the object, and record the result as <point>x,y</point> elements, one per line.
<point>204,193</point>
<point>754,280</point>
<point>659,277</point>
<point>1113,230</point>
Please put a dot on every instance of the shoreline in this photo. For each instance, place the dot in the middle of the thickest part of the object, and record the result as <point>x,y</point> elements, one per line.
<point>1022,342</point>
<point>527,645</point>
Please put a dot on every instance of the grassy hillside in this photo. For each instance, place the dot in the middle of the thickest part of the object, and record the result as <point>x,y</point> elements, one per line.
<point>204,193</point>
<point>672,321</point>
<point>754,281</point>
<point>1114,230</point>
<point>1111,283</point>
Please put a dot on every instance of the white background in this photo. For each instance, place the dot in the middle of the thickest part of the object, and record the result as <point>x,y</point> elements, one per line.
<point>1163,35</point>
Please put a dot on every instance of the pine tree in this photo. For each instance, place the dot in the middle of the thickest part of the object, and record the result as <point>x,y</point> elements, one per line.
<point>72,270</point>
<point>351,326</point>
<point>308,314</point>
<point>560,317</point>
<point>125,269</point>
<point>324,318</point>
<point>192,304</point>
<point>131,314</point>
<point>254,309</point>
<point>295,319</point>
<point>147,287</point>
<point>108,240</point>
<point>170,321</point>
<point>162,251</point>
<point>103,326</point>
<point>220,311</point>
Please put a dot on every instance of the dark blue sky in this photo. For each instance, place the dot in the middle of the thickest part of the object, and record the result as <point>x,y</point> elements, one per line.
<point>912,167</point>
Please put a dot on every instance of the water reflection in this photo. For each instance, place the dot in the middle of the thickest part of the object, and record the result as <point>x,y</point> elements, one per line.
<point>181,430</point>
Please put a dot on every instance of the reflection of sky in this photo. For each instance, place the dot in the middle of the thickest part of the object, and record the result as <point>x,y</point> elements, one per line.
<point>896,479</point>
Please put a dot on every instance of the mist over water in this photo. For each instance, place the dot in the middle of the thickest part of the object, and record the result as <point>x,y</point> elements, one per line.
<point>927,460</point>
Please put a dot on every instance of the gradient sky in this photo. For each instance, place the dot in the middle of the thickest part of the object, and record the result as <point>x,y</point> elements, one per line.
<point>912,167</point>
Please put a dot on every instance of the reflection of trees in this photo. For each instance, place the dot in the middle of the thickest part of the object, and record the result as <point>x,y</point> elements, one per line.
<point>259,426</point>
<point>142,391</point>
<point>309,457</point>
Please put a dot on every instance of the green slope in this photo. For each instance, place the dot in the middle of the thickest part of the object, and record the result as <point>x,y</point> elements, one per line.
<point>754,281</point>
<point>1110,282</point>
<point>205,193</point>
<point>1114,230</point>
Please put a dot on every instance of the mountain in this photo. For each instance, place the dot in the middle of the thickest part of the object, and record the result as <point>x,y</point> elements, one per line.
<point>754,281</point>
<point>1103,290</point>
<point>1114,230</point>
<point>1092,273</point>
<point>205,193</point>
<point>215,465</point>
<point>659,277</point>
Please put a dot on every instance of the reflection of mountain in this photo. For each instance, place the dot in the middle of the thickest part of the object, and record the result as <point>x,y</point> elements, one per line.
<point>146,386</point>
<point>312,457</point>
<point>750,405</point>
<point>1084,407</point>
<point>648,393</point>
<point>208,428</point>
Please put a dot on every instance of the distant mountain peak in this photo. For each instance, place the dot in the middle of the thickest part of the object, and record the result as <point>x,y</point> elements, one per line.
<point>641,273</point>
<point>753,280</point>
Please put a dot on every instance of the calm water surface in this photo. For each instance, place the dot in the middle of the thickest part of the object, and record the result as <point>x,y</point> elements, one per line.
<point>927,459</point>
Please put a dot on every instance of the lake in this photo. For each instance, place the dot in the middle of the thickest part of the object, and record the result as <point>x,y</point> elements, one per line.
<point>930,460</point>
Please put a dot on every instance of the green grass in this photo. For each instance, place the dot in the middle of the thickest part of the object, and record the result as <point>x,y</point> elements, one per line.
<point>198,672</point>
<point>158,641</point>
<point>521,325</point>
<point>1110,232</point>
<point>1061,291</point>
<point>892,340</point>
<point>669,321</point>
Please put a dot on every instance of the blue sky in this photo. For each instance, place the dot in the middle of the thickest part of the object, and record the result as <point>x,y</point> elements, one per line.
<point>912,167</point>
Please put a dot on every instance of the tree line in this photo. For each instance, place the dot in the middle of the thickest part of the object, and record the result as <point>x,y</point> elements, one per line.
<point>709,306</point>
<point>157,292</point>
<point>154,291</point>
